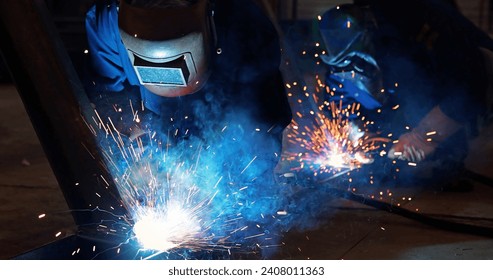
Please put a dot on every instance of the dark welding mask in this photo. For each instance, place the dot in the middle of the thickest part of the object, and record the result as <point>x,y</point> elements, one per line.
<point>346,31</point>
<point>169,48</point>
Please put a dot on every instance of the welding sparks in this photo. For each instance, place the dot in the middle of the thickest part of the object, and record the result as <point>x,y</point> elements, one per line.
<point>182,194</point>
<point>166,205</point>
<point>166,230</point>
<point>333,144</point>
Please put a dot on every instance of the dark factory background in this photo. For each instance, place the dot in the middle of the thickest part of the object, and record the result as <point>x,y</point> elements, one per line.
<point>34,212</point>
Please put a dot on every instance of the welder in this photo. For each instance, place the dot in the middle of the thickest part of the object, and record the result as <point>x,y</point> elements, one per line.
<point>201,74</point>
<point>188,62</point>
<point>418,69</point>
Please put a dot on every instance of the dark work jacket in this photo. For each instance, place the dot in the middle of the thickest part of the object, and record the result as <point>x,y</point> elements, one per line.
<point>429,54</point>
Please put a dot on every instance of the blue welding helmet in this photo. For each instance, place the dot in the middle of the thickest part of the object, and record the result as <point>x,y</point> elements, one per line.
<point>169,48</point>
<point>346,31</point>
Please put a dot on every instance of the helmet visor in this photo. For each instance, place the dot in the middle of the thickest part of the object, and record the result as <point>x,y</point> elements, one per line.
<point>168,61</point>
<point>359,76</point>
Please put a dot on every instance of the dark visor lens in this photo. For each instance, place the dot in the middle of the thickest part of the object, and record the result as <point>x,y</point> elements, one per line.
<point>173,73</point>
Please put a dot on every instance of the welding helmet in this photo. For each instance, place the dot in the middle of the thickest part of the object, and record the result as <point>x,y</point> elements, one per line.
<point>346,31</point>
<point>169,48</point>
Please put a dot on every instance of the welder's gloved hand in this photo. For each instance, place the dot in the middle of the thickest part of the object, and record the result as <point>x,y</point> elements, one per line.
<point>421,142</point>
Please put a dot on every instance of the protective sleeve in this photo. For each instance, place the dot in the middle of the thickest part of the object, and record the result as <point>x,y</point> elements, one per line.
<point>105,46</point>
<point>447,50</point>
<point>465,102</point>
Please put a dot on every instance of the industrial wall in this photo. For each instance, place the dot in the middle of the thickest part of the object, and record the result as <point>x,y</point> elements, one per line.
<point>478,11</point>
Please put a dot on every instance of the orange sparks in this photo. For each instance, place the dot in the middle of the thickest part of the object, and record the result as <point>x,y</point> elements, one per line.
<point>333,142</point>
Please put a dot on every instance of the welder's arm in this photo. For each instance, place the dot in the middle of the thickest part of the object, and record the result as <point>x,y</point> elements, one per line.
<point>422,141</point>
<point>105,48</point>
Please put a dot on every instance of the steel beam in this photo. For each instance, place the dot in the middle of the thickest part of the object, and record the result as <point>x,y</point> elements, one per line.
<point>59,110</point>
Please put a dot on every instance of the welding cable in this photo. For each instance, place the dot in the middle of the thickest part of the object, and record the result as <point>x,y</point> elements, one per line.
<point>478,177</point>
<point>423,218</point>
